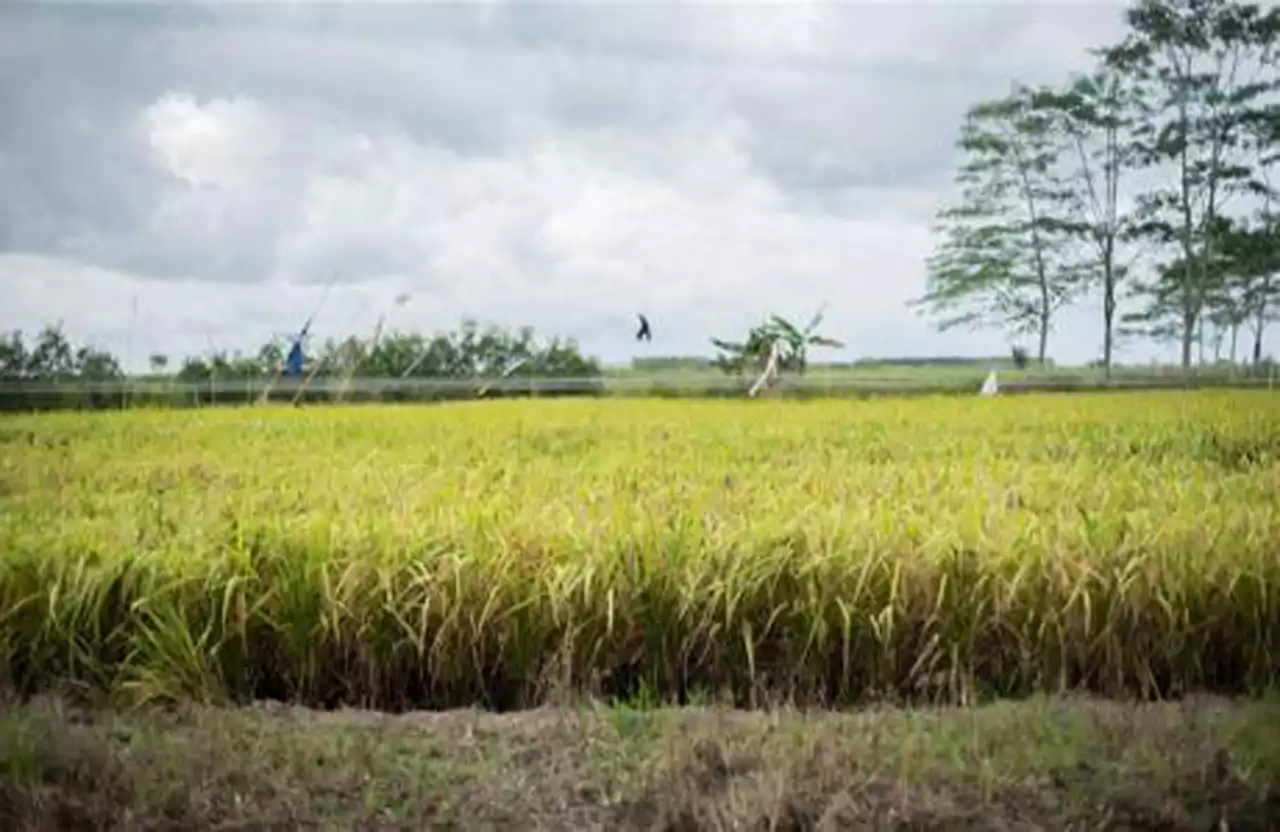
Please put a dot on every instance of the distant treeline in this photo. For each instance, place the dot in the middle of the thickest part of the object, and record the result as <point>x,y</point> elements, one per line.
<point>53,373</point>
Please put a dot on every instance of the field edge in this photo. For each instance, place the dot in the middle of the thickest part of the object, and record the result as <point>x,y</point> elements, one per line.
<point>1044,763</point>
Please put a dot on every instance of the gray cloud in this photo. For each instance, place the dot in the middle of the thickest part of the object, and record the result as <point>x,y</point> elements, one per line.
<point>71,165</point>
<point>557,164</point>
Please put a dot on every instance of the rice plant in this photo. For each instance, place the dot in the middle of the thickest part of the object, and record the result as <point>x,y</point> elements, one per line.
<point>827,552</point>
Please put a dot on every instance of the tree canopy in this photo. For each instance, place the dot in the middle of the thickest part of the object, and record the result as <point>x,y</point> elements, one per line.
<point>1145,181</point>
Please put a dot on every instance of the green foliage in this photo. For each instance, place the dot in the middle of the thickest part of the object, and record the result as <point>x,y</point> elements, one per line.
<point>467,354</point>
<point>222,366</point>
<point>53,357</point>
<point>1207,67</point>
<point>32,374</point>
<point>1188,100</point>
<point>1099,114</point>
<point>1003,259</point>
<point>1255,253</point>
<point>792,342</point>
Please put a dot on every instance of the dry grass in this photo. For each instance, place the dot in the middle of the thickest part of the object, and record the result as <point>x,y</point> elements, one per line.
<point>492,554</point>
<point>1044,764</point>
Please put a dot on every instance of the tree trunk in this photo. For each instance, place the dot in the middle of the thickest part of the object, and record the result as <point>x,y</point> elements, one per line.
<point>1188,254</point>
<point>1188,338</point>
<point>1260,319</point>
<point>1108,335</point>
<point>1200,340</point>
<point>1108,307</point>
<point>1037,250</point>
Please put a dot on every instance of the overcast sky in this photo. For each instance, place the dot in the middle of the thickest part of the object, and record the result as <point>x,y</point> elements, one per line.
<point>560,165</point>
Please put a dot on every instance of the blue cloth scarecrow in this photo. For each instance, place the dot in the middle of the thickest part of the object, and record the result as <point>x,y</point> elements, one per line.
<point>293,364</point>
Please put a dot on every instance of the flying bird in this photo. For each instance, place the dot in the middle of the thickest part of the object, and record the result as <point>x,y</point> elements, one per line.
<point>644,334</point>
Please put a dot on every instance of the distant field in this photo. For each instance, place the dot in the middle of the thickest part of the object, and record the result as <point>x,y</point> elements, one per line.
<point>941,377</point>
<point>498,553</point>
<point>643,382</point>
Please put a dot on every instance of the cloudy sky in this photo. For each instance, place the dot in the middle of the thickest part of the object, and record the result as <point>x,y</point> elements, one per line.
<point>556,164</point>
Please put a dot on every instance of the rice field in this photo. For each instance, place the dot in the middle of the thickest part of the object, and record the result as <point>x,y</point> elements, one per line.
<point>505,553</point>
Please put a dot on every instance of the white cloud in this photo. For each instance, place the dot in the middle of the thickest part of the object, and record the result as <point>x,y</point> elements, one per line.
<point>218,144</point>
<point>553,164</point>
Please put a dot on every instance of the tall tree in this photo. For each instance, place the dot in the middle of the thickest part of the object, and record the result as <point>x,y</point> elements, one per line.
<point>1256,277</point>
<point>14,360</point>
<point>53,355</point>
<point>1098,114</point>
<point>1167,315</point>
<point>96,365</point>
<point>1250,292</point>
<point>1208,65</point>
<point>1001,261</point>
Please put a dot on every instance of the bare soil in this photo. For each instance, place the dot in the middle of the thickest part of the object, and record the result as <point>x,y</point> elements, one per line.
<point>1200,764</point>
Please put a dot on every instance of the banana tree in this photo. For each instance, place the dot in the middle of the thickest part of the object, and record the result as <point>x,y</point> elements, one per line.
<point>774,346</point>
